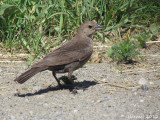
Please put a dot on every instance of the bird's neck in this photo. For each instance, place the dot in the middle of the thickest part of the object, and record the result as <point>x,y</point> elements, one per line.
<point>83,36</point>
<point>86,40</point>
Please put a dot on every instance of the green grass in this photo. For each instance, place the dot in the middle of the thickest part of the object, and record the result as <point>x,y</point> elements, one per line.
<point>123,51</point>
<point>35,26</point>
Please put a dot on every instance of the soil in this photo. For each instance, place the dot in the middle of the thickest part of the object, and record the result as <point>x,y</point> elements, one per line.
<point>103,91</point>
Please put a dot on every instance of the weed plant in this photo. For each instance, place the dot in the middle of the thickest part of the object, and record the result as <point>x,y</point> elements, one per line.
<point>123,51</point>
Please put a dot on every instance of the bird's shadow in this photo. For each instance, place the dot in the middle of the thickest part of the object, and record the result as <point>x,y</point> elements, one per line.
<point>72,88</point>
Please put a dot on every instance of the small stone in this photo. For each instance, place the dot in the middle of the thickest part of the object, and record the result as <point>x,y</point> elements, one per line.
<point>40,96</point>
<point>134,89</point>
<point>142,81</point>
<point>144,87</point>
<point>109,106</point>
<point>151,83</point>
<point>31,112</point>
<point>80,91</point>
<point>141,100</point>
<point>45,105</point>
<point>99,101</point>
<point>135,93</point>
<point>75,111</point>
<point>27,100</point>
<point>12,117</point>
<point>104,80</point>
<point>37,88</point>
<point>122,115</point>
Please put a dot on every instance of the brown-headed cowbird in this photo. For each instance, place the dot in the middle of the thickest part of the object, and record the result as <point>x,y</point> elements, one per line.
<point>68,57</point>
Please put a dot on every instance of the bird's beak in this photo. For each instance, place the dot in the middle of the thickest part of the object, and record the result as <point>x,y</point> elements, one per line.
<point>99,27</point>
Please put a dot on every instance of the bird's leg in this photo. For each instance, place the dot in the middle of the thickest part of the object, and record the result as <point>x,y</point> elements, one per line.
<point>54,74</point>
<point>70,77</point>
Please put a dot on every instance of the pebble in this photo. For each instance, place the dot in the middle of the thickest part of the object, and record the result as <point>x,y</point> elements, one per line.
<point>40,96</point>
<point>142,81</point>
<point>27,100</point>
<point>122,115</point>
<point>12,117</point>
<point>75,111</point>
<point>151,83</point>
<point>80,91</point>
<point>45,105</point>
<point>141,100</point>
<point>104,80</point>
<point>144,87</point>
<point>31,113</point>
<point>135,93</point>
<point>134,89</point>
<point>99,101</point>
<point>37,88</point>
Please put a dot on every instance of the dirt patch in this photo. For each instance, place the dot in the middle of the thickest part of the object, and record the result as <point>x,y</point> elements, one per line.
<point>106,91</point>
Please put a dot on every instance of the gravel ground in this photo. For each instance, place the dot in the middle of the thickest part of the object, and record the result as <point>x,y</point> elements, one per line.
<point>103,93</point>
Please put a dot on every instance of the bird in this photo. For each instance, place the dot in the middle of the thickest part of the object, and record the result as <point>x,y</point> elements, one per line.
<point>67,58</point>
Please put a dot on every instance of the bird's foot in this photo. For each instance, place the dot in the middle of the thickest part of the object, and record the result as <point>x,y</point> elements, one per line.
<point>67,81</point>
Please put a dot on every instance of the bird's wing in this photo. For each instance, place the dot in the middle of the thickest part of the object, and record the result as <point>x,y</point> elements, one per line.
<point>63,56</point>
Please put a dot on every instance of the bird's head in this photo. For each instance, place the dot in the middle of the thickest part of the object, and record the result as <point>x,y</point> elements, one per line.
<point>89,28</point>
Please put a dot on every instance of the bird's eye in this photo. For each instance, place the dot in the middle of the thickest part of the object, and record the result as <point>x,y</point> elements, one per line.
<point>90,26</point>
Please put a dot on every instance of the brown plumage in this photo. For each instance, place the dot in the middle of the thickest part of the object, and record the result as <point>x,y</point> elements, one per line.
<point>68,57</point>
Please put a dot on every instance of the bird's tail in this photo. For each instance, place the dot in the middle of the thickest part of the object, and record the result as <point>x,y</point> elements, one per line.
<point>28,74</point>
